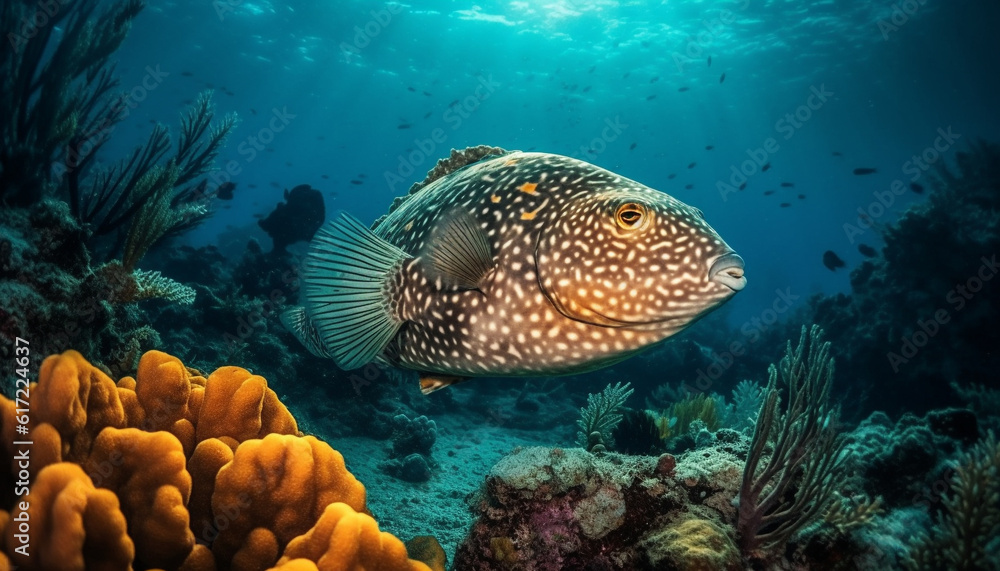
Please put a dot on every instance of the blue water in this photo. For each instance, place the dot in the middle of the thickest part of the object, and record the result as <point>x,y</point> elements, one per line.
<point>336,80</point>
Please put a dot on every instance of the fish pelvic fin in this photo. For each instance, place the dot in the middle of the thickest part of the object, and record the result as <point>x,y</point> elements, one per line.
<point>458,252</point>
<point>297,321</point>
<point>430,382</point>
<point>348,277</point>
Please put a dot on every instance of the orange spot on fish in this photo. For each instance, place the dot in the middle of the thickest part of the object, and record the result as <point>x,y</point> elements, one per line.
<point>529,215</point>
<point>510,162</point>
<point>409,226</point>
<point>494,199</point>
<point>529,187</point>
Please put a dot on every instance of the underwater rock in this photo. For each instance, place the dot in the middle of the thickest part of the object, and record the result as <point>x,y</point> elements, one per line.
<point>412,468</point>
<point>297,218</point>
<point>412,435</point>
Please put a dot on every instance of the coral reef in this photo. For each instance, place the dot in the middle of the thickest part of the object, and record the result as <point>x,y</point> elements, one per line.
<point>967,535</point>
<point>410,458</point>
<point>796,482</point>
<point>175,470</point>
<point>911,333</point>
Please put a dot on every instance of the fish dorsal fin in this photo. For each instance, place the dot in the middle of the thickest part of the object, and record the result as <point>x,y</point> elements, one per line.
<point>297,321</point>
<point>347,277</point>
<point>430,382</point>
<point>458,252</point>
<point>456,161</point>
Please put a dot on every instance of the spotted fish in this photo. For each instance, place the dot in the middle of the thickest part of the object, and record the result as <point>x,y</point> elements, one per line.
<point>517,264</point>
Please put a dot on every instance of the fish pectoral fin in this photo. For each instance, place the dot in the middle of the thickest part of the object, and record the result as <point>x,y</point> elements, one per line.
<point>348,279</point>
<point>430,382</point>
<point>297,321</point>
<point>458,252</point>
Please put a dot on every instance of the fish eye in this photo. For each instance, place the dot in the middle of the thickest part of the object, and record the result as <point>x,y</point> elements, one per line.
<point>630,216</point>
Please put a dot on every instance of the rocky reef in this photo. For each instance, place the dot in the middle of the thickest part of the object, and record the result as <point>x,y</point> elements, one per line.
<point>920,315</point>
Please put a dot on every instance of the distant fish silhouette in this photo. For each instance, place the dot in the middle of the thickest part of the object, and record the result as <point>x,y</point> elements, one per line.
<point>692,165</point>
<point>766,167</point>
<point>632,146</point>
<point>672,175</point>
<point>586,89</point>
<point>802,197</point>
<point>916,188</point>
<point>592,68</point>
<point>722,78</point>
<point>709,61</point>
<point>413,89</point>
<point>788,184</point>
<point>837,154</point>
<point>403,126</point>
<point>785,204</point>
<point>356,181</point>
<point>867,251</point>
<point>709,147</point>
<point>768,192</point>
<point>743,186</point>
<point>683,89</point>
<point>688,186</point>
<point>651,97</point>
<point>362,175</point>
<point>187,73</point>
<point>832,261</point>
<point>864,170</point>
<point>627,73</point>
<point>324,176</point>
<point>655,79</point>
<point>428,114</point>
<point>427,93</point>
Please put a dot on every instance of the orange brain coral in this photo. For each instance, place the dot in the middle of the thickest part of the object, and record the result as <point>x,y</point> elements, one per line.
<point>134,472</point>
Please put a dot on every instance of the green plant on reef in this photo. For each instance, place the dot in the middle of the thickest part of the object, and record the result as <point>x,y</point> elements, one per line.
<point>695,407</point>
<point>60,109</point>
<point>795,459</point>
<point>54,80</point>
<point>965,535</point>
<point>600,417</point>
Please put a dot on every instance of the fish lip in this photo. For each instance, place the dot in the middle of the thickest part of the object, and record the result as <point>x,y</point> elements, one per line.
<point>727,270</point>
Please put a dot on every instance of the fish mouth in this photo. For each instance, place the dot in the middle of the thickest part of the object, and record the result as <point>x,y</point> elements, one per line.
<point>727,270</point>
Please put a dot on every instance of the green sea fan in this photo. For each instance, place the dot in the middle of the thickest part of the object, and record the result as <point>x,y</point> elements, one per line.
<point>601,416</point>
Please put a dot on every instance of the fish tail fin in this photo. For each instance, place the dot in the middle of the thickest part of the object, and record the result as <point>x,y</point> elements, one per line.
<point>348,273</point>
<point>297,321</point>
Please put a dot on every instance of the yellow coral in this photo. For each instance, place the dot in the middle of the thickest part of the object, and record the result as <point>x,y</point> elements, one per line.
<point>344,540</point>
<point>277,480</point>
<point>692,544</point>
<point>72,524</point>
<point>170,457</point>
